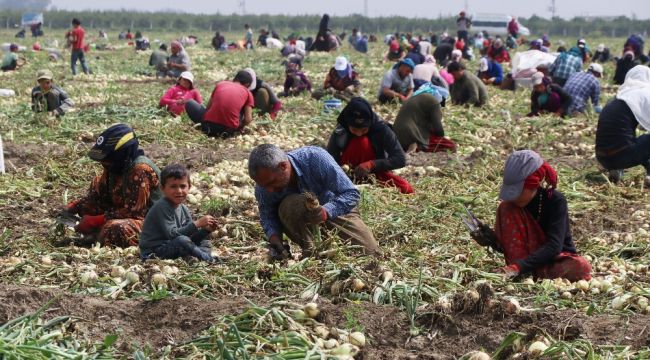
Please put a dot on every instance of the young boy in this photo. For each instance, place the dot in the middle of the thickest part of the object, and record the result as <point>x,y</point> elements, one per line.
<point>168,231</point>
<point>46,97</point>
<point>10,60</point>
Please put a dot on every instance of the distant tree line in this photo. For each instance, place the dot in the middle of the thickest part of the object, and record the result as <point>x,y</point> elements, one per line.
<point>307,24</point>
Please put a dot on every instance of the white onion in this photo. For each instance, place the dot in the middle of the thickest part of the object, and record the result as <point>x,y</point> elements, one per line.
<point>159,280</point>
<point>46,260</point>
<point>357,339</point>
<point>132,277</point>
<point>88,277</point>
<point>117,271</point>
<point>331,343</point>
<point>476,355</point>
<point>311,309</point>
<point>537,348</point>
<point>583,285</point>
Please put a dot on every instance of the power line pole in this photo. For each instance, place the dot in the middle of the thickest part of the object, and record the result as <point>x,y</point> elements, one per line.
<point>365,8</point>
<point>242,5</point>
<point>552,9</point>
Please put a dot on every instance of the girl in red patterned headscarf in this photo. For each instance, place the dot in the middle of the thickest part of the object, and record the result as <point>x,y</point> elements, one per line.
<point>532,225</point>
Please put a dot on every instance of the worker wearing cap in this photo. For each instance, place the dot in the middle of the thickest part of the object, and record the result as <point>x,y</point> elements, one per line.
<point>176,96</point>
<point>397,82</point>
<point>47,97</point>
<point>602,54</point>
<point>490,71</point>
<point>547,97</point>
<point>341,81</point>
<point>532,227</point>
<point>113,210</point>
<point>582,86</point>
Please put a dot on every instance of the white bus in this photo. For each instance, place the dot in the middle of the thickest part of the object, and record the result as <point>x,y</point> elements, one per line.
<point>495,24</point>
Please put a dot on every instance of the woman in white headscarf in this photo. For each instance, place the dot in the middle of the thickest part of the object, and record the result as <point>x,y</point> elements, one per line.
<point>617,146</point>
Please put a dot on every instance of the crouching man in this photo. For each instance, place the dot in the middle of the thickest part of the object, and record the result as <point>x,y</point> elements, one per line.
<point>299,191</point>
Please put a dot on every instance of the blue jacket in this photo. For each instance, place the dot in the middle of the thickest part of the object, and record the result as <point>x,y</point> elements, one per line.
<point>494,71</point>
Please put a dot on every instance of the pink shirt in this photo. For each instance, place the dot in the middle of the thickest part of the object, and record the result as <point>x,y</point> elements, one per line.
<point>227,104</point>
<point>175,93</point>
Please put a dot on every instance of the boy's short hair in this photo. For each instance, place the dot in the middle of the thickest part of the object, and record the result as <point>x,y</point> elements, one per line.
<point>243,77</point>
<point>163,47</point>
<point>174,171</point>
<point>76,21</point>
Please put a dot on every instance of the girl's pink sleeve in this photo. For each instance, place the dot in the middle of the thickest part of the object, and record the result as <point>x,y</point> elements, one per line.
<point>197,96</point>
<point>167,98</point>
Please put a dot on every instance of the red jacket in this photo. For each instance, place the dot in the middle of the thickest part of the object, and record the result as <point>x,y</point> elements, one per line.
<point>175,93</point>
<point>499,55</point>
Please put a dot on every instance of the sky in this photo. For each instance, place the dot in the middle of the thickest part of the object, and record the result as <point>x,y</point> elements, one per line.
<point>428,9</point>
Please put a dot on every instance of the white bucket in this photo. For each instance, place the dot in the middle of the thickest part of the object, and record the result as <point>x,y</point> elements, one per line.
<point>7,93</point>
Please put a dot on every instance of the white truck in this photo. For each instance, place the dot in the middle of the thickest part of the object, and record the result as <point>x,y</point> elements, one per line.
<point>495,24</point>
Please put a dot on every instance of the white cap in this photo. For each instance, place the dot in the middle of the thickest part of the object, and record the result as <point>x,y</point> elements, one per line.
<point>601,47</point>
<point>596,68</point>
<point>341,63</point>
<point>187,76</point>
<point>253,78</point>
<point>456,53</point>
<point>537,78</point>
<point>483,65</point>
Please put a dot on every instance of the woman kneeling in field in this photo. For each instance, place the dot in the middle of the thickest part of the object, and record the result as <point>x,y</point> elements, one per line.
<point>363,141</point>
<point>113,210</point>
<point>532,225</point>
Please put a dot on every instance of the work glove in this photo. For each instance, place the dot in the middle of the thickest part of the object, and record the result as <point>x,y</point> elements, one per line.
<point>363,170</point>
<point>316,216</point>
<point>278,250</point>
<point>484,236</point>
<point>90,223</point>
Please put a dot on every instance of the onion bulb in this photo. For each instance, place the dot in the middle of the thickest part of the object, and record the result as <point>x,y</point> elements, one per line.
<point>345,351</point>
<point>476,355</point>
<point>357,339</point>
<point>117,271</point>
<point>537,348</point>
<point>511,306</point>
<point>583,285</point>
<point>619,302</point>
<point>46,260</point>
<point>311,309</point>
<point>132,277</point>
<point>88,277</point>
<point>357,284</point>
<point>331,343</point>
<point>159,280</point>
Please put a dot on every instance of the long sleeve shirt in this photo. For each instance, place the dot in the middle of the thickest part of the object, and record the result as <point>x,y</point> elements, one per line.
<point>175,93</point>
<point>388,151</point>
<point>616,127</point>
<point>316,172</point>
<point>55,100</point>
<point>165,222</point>
<point>554,221</point>
<point>582,86</point>
<point>469,89</point>
<point>494,71</point>
<point>565,65</point>
<point>126,196</point>
<point>565,100</point>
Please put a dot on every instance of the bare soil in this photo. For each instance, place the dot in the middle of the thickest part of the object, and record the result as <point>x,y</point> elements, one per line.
<point>173,321</point>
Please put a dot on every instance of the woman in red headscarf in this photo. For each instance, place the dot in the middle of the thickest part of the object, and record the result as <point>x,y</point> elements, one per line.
<point>532,225</point>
